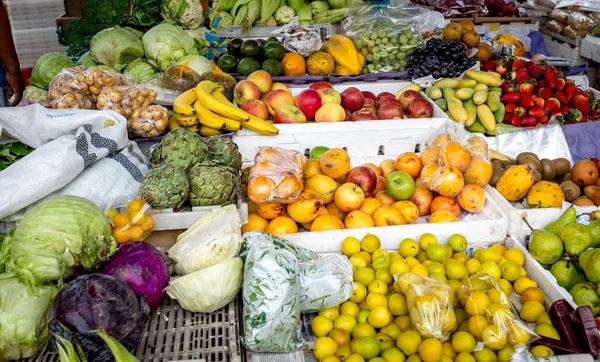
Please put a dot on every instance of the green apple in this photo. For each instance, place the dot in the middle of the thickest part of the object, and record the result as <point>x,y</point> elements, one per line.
<point>318,151</point>
<point>400,185</point>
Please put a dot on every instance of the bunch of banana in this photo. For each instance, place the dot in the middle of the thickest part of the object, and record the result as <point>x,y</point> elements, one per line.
<point>206,110</point>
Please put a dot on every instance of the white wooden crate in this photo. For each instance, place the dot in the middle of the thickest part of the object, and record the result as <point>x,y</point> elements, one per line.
<point>556,48</point>
<point>33,14</point>
<point>31,44</point>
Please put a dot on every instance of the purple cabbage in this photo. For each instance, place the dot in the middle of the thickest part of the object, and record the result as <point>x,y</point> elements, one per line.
<point>97,301</point>
<point>143,268</point>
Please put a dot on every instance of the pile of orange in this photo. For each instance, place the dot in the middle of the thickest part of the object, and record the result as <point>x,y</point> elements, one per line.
<point>135,224</point>
<point>293,64</point>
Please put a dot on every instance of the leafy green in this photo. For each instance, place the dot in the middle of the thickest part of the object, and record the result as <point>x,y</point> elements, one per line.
<point>47,66</point>
<point>12,152</point>
<point>187,13</point>
<point>167,43</point>
<point>145,12</point>
<point>98,15</point>
<point>142,70</point>
<point>87,61</point>
<point>116,47</point>
<point>71,33</point>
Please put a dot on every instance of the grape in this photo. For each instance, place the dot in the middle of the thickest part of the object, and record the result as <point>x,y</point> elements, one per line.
<point>378,41</point>
<point>373,36</point>
<point>364,52</point>
<point>369,57</point>
<point>382,34</point>
<point>392,56</point>
<point>385,40</point>
<point>403,39</point>
<point>412,41</point>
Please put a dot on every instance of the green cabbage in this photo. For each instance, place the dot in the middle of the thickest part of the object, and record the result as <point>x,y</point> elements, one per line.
<point>142,71</point>
<point>116,47</point>
<point>224,5</point>
<point>35,94</point>
<point>187,13</point>
<point>167,43</point>
<point>47,66</point>
<point>87,61</point>
<point>226,19</point>
<point>197,63</point>
<point>23,321</point>
<point>198,291</point>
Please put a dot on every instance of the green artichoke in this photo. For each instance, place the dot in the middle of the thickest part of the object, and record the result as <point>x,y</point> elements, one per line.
<point>180,147</point>
<point>165,186</point>
<point>212,184</point>
<point>223,151</point>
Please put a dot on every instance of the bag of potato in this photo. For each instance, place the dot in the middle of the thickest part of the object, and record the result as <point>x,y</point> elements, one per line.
<point>148,121</point>
<point>125,100</point>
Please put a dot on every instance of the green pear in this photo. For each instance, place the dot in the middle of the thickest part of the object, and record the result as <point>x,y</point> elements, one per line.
<point>585,294</point>
<point>545,247</point>
<point>568,217</point>
<point>566,273</point>
<point>591,266</point>
<point>576,238</point>
<point>594,229</point>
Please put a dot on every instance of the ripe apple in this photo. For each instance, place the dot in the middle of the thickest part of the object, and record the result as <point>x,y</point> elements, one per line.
<point>348,116</point>
<point>390,110</point>
<point>419,108</point>
<point>383,94</point>
<point>262,79</point>
<point>278,98</point>
<point>264,96</point>
<point>368,109</point>
<point>369,95</point>
<point>363,115</point>
<point>320,85</point>
<point>380,185</point>
<point>349,197</point>
<point>309,102</point>
<point>385,100</point>
<point>256,108</point>
<point>363,177</point>
<point>244,91</point>
<point>387,167</point>
<point>330,112</point>
<point>281,86</point>
<point>288,113</point>
<point>318,151</point>
<point>369,102</point>
<point>408,97</point>
<point>400,185</point>
<point>352,99</point>
<point>329,95</point>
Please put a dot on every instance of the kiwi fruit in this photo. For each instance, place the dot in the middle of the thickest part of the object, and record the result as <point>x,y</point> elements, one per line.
<point>532,162</point>
<point>507,163</point>
<point>498,171</point>
<point>566,177</point>
<point>523,154</point>
<point>571,190</point>
<point>537,177</point>
<point>497,163</point>
<point>562,166</point>
<point>548,169</point>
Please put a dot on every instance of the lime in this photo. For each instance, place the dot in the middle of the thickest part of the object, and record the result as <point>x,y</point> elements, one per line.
<point>409,342</point>
<point>457,242</point>
<point>427,239</point>
<point>273,50</point>
<point>363,330</point>
<point>227,63</point>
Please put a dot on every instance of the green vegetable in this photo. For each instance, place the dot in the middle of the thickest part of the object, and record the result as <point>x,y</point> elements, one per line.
<point>240,12</point>
<point>33,94</point>
<point>305,14</point>
<point>284,15</point>
<point>12,152</point>
<point>119,351</point>
<point>319,6</point>
<point>272,66</point>
<point>23,321</point>
<point>227,63</point>
<point>145,12</point>
<point>337,4</point>
<point>226,19</point>
<point>254,8</point>
<point>98,15</point>
<point>268,8</point>
<point>224,5</point>
<point>330,16</point>
<point>116,47</point>
<point>212,184</point>
<point>187,13</point>
<point>71,33</point>
<point>197,63</point>
<point>142,70</point>
<point>47,66</point>
<point>87,61</point>
<point>138,33</point>
<point>167,43</point>
<point>296,4</point>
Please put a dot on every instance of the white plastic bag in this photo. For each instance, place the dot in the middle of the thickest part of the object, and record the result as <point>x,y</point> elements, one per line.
<point>324,282</point>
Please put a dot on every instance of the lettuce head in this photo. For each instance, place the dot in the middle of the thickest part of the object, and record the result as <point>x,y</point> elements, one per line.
<point>167,43</point>
<point>116,47</point>
<point>47,66</point>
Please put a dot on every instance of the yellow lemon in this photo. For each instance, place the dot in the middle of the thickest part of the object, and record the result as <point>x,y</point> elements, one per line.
<point>477,324</point>
<point>385,276</point>
<point>349,308</point>
<point>515,255</point>
<point>399,266</point>
<point>355,358</point>
<point>345,322</point>
<point>427,239</point>
<point>498,313</point>
<point>464,357</point>
<point>505,353</point>
<point>362,316</point>
<point>541,351</point>
<point>397,304</point>
<point>462,257</point>
<point>517,333</point>
<point>455,269</point>
<point>547,330</point>
<point>380,317</point>
<point>463,342</point>
<point>350,246</point>
<point>358,262</point>
<point>365,255</point>
<point>409,342</point>
<point>447,350</point>
<point>500,249</point>
<point>329,313</point>
<point>378,286</point>
<point>490,255</point>
<point>510,270</point>
<point>330,358</point>
<point>359,292</point>
<point>376,300</point>
<point>344,352</point>
<point>543,318</point>
<point>363,330</point>
<point>476,303</point>
<point>532,293</point>
<point>531,310</point>
<point>321,326</point>
<point>364,276</point>
<point>430,350</point>
<point>370,243</point>
<point>522,283</point>
<point>403,322</point>
<point>324,346</point>
<point>419,270</point>
<point>393,354</point>
<point>340,336</point>
<point>492,269</point>
<point>411,261</point>
<point>494,337</point>
<point>408,247</point>
<point>505,286</point>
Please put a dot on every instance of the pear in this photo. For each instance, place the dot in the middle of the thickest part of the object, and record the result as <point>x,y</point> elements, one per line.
<point>594,229</point>
<point>545,247</point>
<point>585,294</point>
<point>584,258</point>
<point>568,217</point>
<point>566,273</point>
<point>591,265</point>
<point>576,238</point>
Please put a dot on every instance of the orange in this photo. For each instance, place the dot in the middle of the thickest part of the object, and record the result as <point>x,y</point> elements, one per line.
<point>430,155</point>
<point>288,188</point>
<point>255,223</point>
<point>327,222</point>
<point>282,225</point>
<point>260,189</point>
<point>320,63</point>
<point>121,234</point>
<point>135,205</point>
<point>454,154</point>
<point>270,210</point>
<point>136,233</point>
<point>148,223</point>
<point>444,203</point>
<point>120,220</point>
<point>293,64</point>
<point>410,163</point>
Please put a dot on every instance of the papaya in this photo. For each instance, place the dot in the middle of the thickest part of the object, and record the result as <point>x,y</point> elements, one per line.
<point>545,194</point>
<point>515,182</point>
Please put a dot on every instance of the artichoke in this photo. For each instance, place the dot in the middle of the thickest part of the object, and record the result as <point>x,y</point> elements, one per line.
<point>212,184</point>
<point>165,186</point>
<point>223,151</point>
<point>180,147</point>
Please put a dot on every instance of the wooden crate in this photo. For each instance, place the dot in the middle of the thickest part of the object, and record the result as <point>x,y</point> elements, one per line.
<point>65,19</point>
<point>73,7</point>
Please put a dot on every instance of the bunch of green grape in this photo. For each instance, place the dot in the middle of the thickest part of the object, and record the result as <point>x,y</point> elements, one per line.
<point>386,50</point>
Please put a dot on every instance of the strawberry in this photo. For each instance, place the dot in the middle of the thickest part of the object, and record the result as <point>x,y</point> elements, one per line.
<point>545,92</point>
<point>530,65</point>
<point>596,161</point>
<point>520,111</point>
<point>541,83</point>
<point>551,76</point>
<point>511,97</point>
<point>509,86</point>
<point>507,118</point>
<point>594,114</point>
<point>522,75</point>
<point>489,65</point>
<point>544,119</point>
<point>512,75</point>
<point>501,69</point>
<point>565,108</point>
<point>580,101</point>
<point>526,102</point>
<point>515,120</point>
<point>558,117</point>
<point>536,111</point>
<point>529,121</point>
<point>570,91</point>
<point>561,96</point>
<point>518,64</point>
<point>561,82</point>
<point>526,89</point>
<point>538,101</point>
<point>574,115</point>
<point>510,107</point>
<point>570,82</point>
<point>552,104</point>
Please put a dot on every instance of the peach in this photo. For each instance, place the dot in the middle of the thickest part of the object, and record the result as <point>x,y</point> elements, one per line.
<point>349,197</point>
<point>448,181</point>
<point>327,222</point>
<point>329,95</point>
<point>262,79</point>
<point>278,98</point>
<point>282,225</point>
<point>442,216</point>
<point>333,210</point>
<point>410,163</point>
<point>408,209</point>
<point>388,216</point>
<point>430,155</point>
<point>387,167</point>
<point>422,198</point>
<point>323,184</point>
<point>358,219</point>
<point>281,86</point>
<point>384,198</point>
<point>244,91</point>
<point>309,102</point>
<point>307,207</point>
<point>288,113</point>
<point>256,108</point>
<point>330,112</point>
<point>471,198</point>
<point>335,163</point>
<point>270,210</point>
<point>444,203</point>
<point>313,167</point>
<point>370,205</point>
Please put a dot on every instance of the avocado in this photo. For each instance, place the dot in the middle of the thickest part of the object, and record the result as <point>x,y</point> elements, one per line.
<point>227,63</point>
<point>218,56</point>
<point>272,66</point>
<point>272,39</point>
<point>234,47</point>
<point>251,48</point>
<point>247,66</point>
<point>273,51</point>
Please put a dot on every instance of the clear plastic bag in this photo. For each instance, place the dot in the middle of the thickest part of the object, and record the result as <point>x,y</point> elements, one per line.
<point>579,22</point>
<point>430,305</point>
<point>148,121</point>
<point>276,176</point>
<point>555,26</point>
<point>385,35</point>
<point>461,8</point>
<point>595,16</point>
<point>324,282</point>
<point>571,33</point>
<point>133,222</point>
<point>124,100</point>
<point>559,15</point>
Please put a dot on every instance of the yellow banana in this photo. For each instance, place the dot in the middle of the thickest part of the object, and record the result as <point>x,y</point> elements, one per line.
<point>219,96</point>
<point>187,121</point>
<point>173,123</point>
<point>230,124</point>
<point>195,128</point>
<point>204,90</point>
<point>208,118</point>
<point>261,126</point>
<point>207,131</point>
<point>183,102</point>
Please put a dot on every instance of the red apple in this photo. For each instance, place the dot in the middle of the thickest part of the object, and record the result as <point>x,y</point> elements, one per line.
<point>320,85</point>
<point>309,102</point>
<point>368,109</point>
<point>419,108</point>
<point>369,95</point>
<point>348,115</point>
<point>352,99</point>
<point>390,111</point>
<point>256,108</point>
<point>408,97</point>
<point>288,113</point>
<point>369,102</point>
<point>380,185</point>
<point>364,177</point>
<point>383,94</point>
<point>244,91</point>
<point>385,100</point>
<point>265,96</point>
<point>278,98</point>
<point>363,115</point>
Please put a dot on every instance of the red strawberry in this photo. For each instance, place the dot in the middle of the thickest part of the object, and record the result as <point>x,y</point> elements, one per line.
<point>507,118</point>
<point>511,97</point>
<point>512,75</point>
<point>518,64</point>
<point>570,82</point>
<point>559,117</point>
<point>570,91</point>
<point>561,96</point>
<point>510,107</point>
<point>536,111</point>
<point>565,108</point>
<point>580,101</point>
<point>594,114</point>
<point>561,82</point>
<point>520,111</point>
<point>545,92</point>
<point>522,75</point>
<point>551,77</point>
<point>501,69</point>
<point>489,65</point>
<point>515,120</point>
<point>526,102</point>
<point>529,121</point>
<point>538,101</point>
<point>552,104</point>
<point>526,89</point>
<point>530,66</point>
<point>537,72</point>
<point>544,119</point>
<point>574,115</point>
<point>595,160</point>
<point>541,83</point>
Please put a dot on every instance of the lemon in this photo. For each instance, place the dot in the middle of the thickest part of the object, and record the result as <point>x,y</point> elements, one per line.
<point>498,313</point>
<point>363,316</point>
<point>358,262</point>
<point>447,350</point>
<point>321,326</point>
<point>349,308</point>
<point>505,286</point>
<point>324,346</point>
<point>365,255</point>
<point>543,318</point>
<point>340,336</point>
<point>329,313</point>
<point>408,247</point>
<point>497,296</point>
<point>439,276</point>
<point>392,330</point>
<point>515,255</point>
<point>345,322</point>
<point>500,249</point>
<point>385,276</point>
<point>435,267</point>
<point>462,257</point>
<point>370,243</point>
<point>397,304</point>
<point>419,270</point>
<point>367,347</point>
<point>378,286</point>
<point>472,266</point>
<point>409,342</point>
<point>344,352</point>
<point>437,252</point>
<point>350,246</point>
<point>485,355</point>
<point>532,293</point>
<point>489,255</point>
<point>380,253</point>
<point>384,341</point>
<point>447,320</point>
<point>477,324</point>
<point>426,262</point>
<point>505,353</point>
<point>422,256</point>
<point>455,269</point>
<point>359,292</point>
<point>414,358</point>
<point>494,337</point>
<point>411,261</point>
<point>460,315</point>
<point>517,333</point>
<point>522,283</point>
<point>393,354</point>
<point>376,300</point>
<point>531,310</point>
<point>463,342</point>
<point>547,330</point>
<point>510,270</point>
<point>464,357</point>
<point>399,266</point>
<point>380,317</point>
<point>464,326</point>
<point>363,330</point>
<point>541,351</point>
<point>394,255</point>
<point>455,285</point>
<point>476,303</point>
<point>377,359</point>
<point>523,272</point>
<point>403,322</point>
<point>363,305</point>
<point>364,276</point>
<point>430,350</point>
<point>445,359</point>
<point>427,239</point>
<point>492,269</point>
<point>355,358</point>
<point>330,358</point>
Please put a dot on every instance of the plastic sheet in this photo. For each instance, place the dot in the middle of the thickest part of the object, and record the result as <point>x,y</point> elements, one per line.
<point>324,282</point>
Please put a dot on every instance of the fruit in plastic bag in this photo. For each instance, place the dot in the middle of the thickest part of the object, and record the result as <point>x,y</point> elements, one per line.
<point>134,223</point>
<point>448,181</point>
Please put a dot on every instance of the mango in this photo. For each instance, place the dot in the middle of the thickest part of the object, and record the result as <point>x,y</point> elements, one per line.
<point>499,114</point>
<point>480,86</point>
<point>515,182</point>
<point>493,101</point>
<point>471,109</point>
<point>447,83</point>
<point>486,117</point>
<point>442,104</point>
<point>488,78</point>
<point>495,89</point>
<point>466,83</point>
